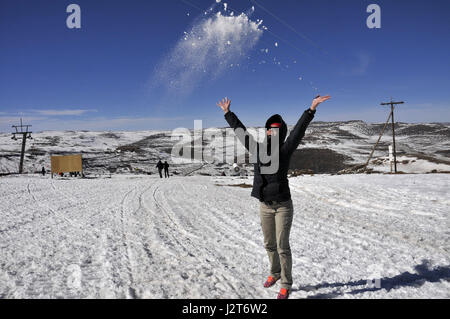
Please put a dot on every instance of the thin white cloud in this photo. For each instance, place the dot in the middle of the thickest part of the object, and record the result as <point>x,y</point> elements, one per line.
<point>67,112</point>
<point>96,123</point>
<point>359,66</point>
<point>6,122</point>
<point>13,120</point>
<point>363,64</point>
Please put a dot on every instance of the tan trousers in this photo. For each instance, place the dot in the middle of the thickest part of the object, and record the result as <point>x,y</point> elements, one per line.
<point>276,222</point>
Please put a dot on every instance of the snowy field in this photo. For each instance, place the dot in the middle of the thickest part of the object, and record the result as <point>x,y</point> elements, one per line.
<point>199,237</point>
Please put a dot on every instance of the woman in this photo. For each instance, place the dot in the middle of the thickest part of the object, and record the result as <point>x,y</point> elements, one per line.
<point>272,190</point>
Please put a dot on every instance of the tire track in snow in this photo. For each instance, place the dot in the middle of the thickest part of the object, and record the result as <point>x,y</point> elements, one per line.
<point>60,222</point>
<point>32,219</point>
<point>218,221</point>
<point>50,211</point>
<point>349,230</point>
<point>139,224</point>
<point>57,213</point>
<point>190,244</point>
<point>123,247</point>
<point>56,224</point>
<point>88,250</point>
<point>131,292</point>
<point>176,257</point>
<point>233,215</point>
<point>219,261</point>
<point>133,241</point>
<point>116,273</point>
<point>209,230</point>
<point>172,229</point>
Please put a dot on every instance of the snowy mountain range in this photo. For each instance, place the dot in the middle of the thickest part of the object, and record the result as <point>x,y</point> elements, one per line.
<point>328,147</point>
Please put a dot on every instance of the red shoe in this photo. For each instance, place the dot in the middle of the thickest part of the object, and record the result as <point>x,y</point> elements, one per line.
<point>284,294</point>
<point>270,282</point>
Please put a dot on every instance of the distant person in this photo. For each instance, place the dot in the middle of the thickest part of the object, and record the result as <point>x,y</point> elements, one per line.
<point>166,169</point>
<point>43,171</point>
<point>160,167</point>
<point>272,190</point>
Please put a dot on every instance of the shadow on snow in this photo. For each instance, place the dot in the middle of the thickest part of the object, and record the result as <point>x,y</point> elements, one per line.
<point>423,273</point>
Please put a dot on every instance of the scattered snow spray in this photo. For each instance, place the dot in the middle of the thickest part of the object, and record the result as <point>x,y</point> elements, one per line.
<point>218,41</point>
<point>213,44</point>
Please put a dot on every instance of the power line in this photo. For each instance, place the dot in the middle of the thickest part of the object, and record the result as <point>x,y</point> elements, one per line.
<point>290,44</point>
<point>191,4</point>
<point>287,25</point>
<point>269,31</point>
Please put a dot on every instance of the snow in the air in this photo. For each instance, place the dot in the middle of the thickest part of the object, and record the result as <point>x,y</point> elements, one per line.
<point>213,43</point>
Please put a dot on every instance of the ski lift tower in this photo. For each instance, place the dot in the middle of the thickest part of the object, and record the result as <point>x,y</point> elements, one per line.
<point>23,133</point>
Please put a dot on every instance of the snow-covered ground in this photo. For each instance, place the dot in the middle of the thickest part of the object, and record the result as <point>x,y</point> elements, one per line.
<point>198,237</point>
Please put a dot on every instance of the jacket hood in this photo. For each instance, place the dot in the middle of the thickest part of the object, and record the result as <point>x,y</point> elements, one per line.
<point>283,129</point>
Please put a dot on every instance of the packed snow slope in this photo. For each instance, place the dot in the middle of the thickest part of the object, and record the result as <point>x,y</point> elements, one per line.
<point>199,237</point>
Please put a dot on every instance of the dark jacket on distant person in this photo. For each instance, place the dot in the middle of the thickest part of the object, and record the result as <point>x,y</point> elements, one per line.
<point>275,187</point>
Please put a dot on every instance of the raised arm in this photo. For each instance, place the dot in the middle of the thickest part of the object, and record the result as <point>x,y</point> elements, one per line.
<point>233,121</point>
<point>299,130</point>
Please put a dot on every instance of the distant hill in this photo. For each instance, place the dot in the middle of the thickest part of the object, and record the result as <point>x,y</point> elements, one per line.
<point>327,148</point>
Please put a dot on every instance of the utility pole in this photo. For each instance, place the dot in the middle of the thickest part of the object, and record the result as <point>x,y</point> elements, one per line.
<point>392,104</point>
<point>23,133</point>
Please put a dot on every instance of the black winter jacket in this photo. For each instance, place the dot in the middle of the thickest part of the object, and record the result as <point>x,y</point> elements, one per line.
<point>275,187</point>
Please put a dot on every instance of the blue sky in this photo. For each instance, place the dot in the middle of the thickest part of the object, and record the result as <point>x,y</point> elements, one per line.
<point>100,77</point>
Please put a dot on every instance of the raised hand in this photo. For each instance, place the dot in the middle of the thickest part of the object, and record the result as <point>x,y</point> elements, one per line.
<point>225,105</point>
<point>319,99</point>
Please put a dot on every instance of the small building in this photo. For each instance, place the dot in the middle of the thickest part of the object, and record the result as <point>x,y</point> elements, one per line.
<point>67,164</point>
